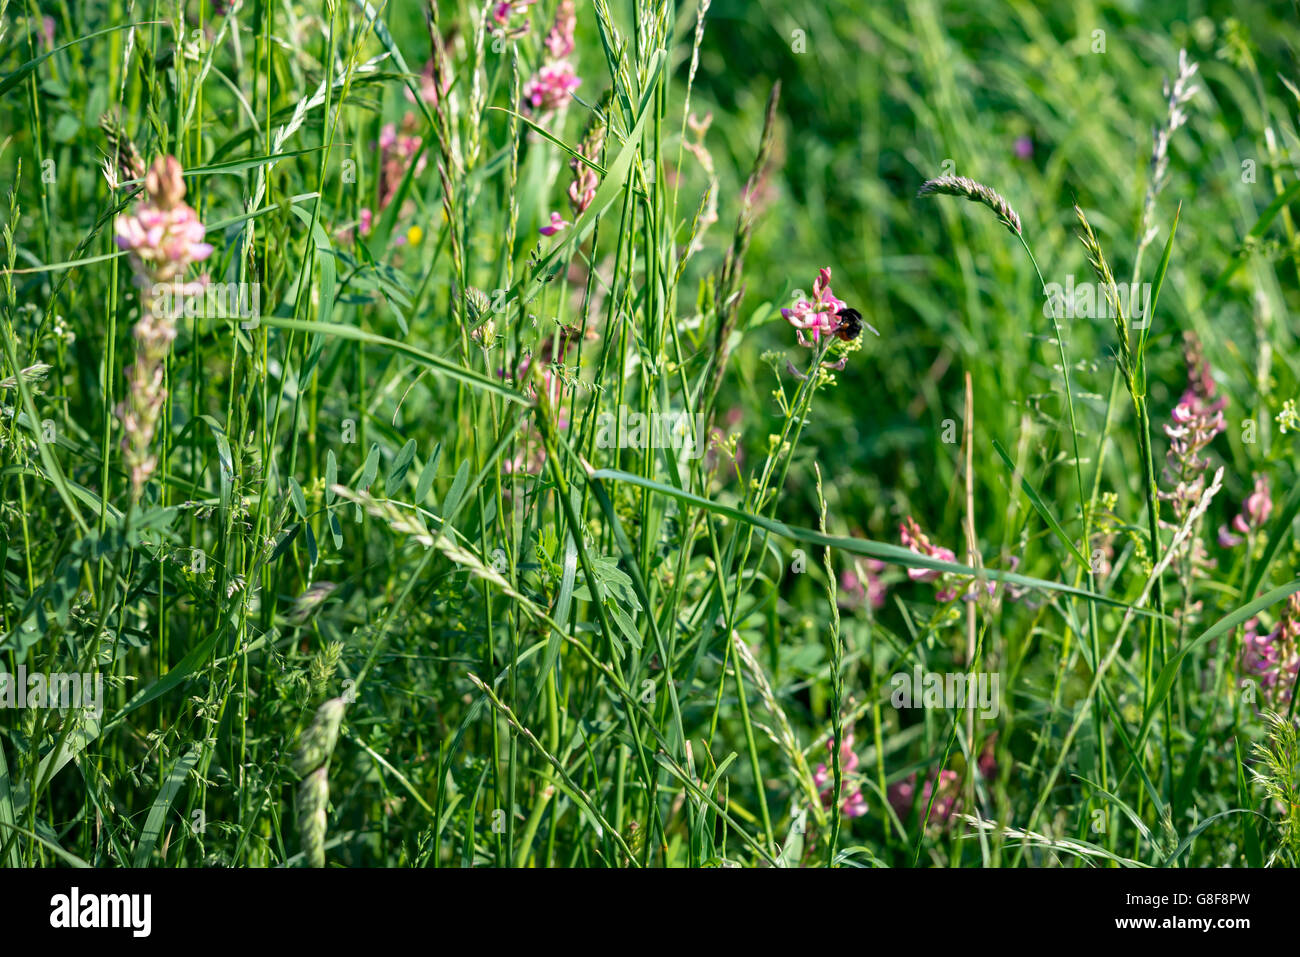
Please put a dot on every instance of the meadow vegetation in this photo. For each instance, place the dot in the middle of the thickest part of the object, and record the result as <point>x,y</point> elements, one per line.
<point>629,433</point>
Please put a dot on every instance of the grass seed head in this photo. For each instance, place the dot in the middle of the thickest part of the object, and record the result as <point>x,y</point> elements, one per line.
<point>976,193</point>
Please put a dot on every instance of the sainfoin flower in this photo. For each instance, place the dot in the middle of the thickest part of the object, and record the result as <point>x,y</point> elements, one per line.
<point>559,40</point>
<point>1254,513</point>
<point>557,224</point>
<point>1273,658</point>
<point>397,151</point>
<point>583,188</point>
<point>856,591</point>
<point>505,11</point>
<point>853,803</point>
<point>162,236</point>
<point>430,90</point>
<point>946,800</point>
<point>1196,420</point>
<point>818,315</point>
<point>530,453</point>
<point>551,87</point>
<point>950,586</point>
<point>915,540</point>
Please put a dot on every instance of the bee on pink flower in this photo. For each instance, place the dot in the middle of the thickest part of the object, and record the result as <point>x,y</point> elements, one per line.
<point>824,314</point>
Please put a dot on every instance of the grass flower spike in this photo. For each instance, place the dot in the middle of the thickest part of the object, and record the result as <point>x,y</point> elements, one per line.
<point>976,193</point>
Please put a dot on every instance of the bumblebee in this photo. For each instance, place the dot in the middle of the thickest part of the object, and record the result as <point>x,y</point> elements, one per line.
<point>850,326</point>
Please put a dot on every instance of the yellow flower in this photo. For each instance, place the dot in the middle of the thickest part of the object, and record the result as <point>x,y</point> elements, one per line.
<point>414,235</point>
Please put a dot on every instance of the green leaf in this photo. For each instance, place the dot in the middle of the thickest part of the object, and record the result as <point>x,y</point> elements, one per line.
<point>225,460</point>
<point>427,475</point>
<point>331,476</point>
<point>13,79</point>
<point>7,817</point>
<point>153,824</point>
<point>1265,219</point>
<point>401,464</point>
<point>297,497</point>
<point>451,504</point>
<point>370,470</point>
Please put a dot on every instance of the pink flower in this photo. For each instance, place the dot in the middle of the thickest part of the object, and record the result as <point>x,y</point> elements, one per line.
<point>559,41</point>
<point>163,235</point>
<point>946,801</point>
<point>874,590</point>
<point>551,87</point>
<point>1196,420</point>
<point>988,763</point>
<point>1274,658</point>
<point>582,191</point>
<point>1024,147</point>
<point>853,804</point>
<point>396,153</point>
<point>819,315</point>
<point>557,224</point>
<point>1258,505</point>
<point>506,10</point>
<point>916,540</point>
<point>1254,513</point>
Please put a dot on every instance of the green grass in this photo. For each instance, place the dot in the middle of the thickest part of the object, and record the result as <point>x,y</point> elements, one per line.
<point>391,596</point>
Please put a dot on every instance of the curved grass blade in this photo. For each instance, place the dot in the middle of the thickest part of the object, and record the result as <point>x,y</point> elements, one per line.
<point>1040,506</point>
<point>894,554</point>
